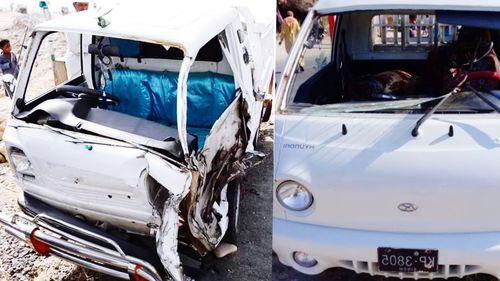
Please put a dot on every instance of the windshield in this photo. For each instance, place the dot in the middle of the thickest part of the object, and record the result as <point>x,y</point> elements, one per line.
<point>397,62</point>
<point>462,102</point>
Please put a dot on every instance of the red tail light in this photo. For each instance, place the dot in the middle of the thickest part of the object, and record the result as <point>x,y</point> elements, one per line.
<point>40,247</point>
<point>136,273</point>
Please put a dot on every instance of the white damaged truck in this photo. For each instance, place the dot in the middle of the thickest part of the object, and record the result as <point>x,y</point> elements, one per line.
<point>134,160</point>
<point>387,145</point>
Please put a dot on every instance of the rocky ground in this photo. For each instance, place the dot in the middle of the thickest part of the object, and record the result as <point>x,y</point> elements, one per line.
<point>252,261</point>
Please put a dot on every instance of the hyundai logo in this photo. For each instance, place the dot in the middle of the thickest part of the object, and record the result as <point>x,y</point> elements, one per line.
<point>407,207</point>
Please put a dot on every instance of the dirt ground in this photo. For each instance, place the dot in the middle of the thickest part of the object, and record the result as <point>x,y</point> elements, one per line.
<point>252,261</point>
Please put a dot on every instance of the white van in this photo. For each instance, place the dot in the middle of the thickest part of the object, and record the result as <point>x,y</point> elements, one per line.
<point>387,145</point>
<point>135,160</point>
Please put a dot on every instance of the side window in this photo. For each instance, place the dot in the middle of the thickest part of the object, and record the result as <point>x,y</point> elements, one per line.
<point>49,67</point>
<point>317,53</point>
<point>124,48</point>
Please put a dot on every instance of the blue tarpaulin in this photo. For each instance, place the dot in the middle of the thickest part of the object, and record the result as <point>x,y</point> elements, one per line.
<point>152,95</point>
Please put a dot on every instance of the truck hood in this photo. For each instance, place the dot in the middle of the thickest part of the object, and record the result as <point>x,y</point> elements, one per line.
<point>360,179</point>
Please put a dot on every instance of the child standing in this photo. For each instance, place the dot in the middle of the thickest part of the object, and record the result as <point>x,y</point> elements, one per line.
<point>8,60</point>
<point>8,64</point>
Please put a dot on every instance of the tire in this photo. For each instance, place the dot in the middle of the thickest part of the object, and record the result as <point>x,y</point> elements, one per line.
<point>233,198</point>
<point>267,112</point>
<point>256,139</point>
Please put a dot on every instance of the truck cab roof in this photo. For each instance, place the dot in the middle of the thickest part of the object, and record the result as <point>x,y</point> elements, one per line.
<point>187,27</point>
<point>340,6</point>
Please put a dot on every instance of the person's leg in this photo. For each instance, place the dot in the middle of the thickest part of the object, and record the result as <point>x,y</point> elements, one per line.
<point>301,64</point>
<point>8,93</point>
<point>288,46</point>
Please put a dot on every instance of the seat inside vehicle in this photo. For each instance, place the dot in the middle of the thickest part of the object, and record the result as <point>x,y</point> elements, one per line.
<point>143,78</point>
<point>137,126</point>
<point>152,95</point>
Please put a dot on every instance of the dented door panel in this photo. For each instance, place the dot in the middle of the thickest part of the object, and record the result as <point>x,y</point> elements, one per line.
<point>141,190</point>
<point>224,145</point>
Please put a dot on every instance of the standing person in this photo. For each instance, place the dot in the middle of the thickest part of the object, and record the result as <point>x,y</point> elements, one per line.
<point>81,6</point>
<point>8,60</point>
<point>8,63</point>
<point>289,30</point>
<point>331,25</point>
<point>72,56</point>
<point>279,21</point>
<point>413,26</point>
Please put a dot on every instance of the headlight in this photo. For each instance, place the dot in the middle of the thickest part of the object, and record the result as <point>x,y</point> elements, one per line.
<point>294,196</point>
<point>304,259</point>
<point>20,162</point>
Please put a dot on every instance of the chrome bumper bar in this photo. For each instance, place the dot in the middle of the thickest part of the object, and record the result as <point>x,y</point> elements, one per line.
<point>50,240</point>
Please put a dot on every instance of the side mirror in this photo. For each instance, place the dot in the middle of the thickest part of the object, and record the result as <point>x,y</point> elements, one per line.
<point>315,36</point>
<point>20,104</point>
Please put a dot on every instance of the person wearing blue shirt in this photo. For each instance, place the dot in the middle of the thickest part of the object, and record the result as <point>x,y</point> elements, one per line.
<point>8,62</point>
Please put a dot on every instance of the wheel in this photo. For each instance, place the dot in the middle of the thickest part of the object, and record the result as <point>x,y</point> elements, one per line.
<point>267,112</point>
<point>233,198</point>
<point>256,139</point>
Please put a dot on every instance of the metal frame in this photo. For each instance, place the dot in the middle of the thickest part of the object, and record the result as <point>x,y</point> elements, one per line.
<point>401,21</point>
<point>111,261</point>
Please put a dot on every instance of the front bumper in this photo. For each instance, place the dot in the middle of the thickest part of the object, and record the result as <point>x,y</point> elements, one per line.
<point>459,254</point>
<point>41,233</point>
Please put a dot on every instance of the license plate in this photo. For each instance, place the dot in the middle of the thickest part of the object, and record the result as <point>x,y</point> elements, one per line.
<point>407,260</point>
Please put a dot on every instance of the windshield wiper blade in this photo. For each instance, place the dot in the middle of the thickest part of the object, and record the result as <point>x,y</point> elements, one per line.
<point>428,114</point>
<point>483,98</point>
<point>431,111</point>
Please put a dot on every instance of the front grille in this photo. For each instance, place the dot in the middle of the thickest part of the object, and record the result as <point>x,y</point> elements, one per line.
<point>444,271</point>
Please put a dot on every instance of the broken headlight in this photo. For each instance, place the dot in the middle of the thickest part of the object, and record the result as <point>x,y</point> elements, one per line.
<point>294,196</point>
<point>20,162</point>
